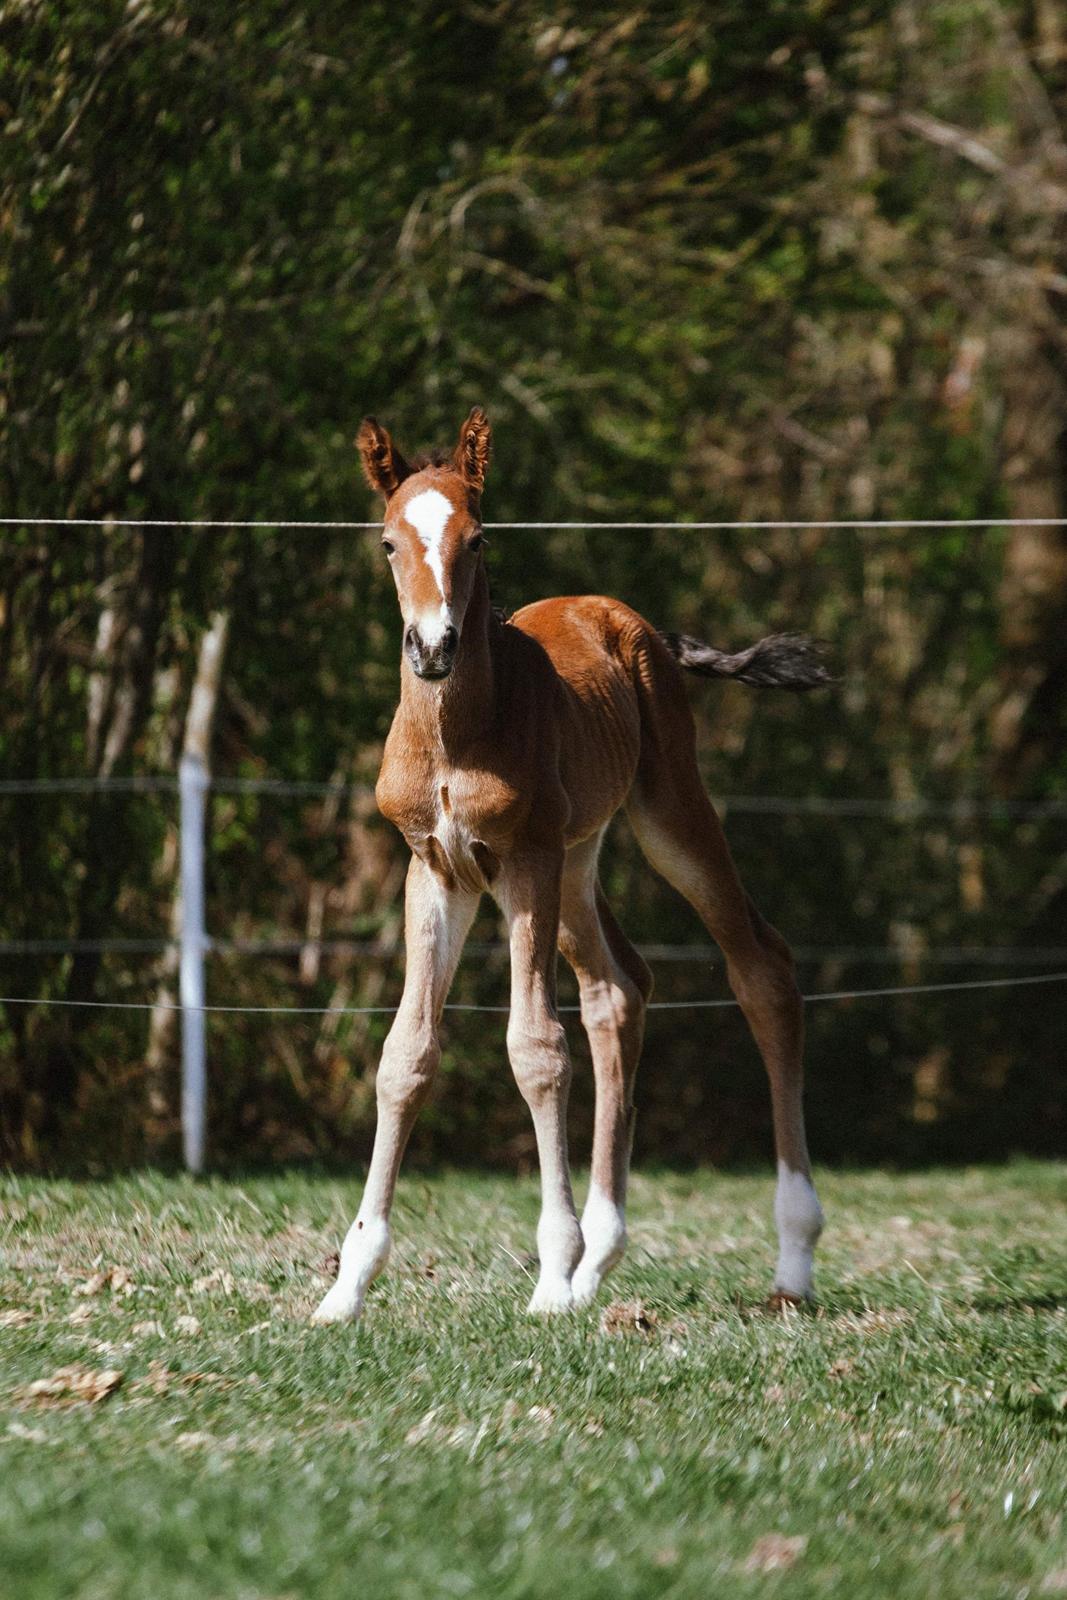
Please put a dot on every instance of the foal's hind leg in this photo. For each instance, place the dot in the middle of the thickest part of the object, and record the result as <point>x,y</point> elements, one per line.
<point>614,985</point>
<point>680,833</point>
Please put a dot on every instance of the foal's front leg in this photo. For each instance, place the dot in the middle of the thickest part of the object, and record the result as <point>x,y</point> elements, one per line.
<point>436,923</point>
<point>537,1049</point>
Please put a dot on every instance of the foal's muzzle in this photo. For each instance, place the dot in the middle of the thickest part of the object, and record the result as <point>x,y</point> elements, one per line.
<point>431,660</point>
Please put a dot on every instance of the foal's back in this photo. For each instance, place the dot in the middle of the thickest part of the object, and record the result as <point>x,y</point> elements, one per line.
<point>622,703</point>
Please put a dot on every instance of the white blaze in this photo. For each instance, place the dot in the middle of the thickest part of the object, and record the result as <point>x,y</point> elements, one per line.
<point>428,514</point>
<point>433,626</point>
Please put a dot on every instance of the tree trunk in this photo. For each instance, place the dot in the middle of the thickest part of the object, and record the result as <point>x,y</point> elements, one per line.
<point>1028,724</point>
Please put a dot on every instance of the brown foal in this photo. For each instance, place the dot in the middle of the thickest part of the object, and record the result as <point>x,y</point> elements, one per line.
<point>513,746</point>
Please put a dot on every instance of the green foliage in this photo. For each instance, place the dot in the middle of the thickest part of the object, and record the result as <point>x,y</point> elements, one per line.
<point>695,267</point>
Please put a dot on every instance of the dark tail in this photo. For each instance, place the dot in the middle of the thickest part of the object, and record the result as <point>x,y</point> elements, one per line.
<point>781,661</point>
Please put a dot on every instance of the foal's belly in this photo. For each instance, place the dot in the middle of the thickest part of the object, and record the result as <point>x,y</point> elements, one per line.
<point>599,748</point>
<point>590,642</point>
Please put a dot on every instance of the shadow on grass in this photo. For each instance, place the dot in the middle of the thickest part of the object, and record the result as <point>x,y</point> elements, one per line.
<point>1020,1302</point>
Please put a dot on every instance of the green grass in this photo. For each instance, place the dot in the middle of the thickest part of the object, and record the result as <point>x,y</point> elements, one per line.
<point>913,1431</point>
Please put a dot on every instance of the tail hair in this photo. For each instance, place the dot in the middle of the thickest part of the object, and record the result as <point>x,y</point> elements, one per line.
<point>781,661</point>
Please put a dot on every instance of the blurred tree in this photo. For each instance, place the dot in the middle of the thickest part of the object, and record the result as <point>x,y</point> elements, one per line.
<point>804,260</point>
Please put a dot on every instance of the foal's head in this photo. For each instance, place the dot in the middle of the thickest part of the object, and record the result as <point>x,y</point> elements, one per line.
<point>432,535</point>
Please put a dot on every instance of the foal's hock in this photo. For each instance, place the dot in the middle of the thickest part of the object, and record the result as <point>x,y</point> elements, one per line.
<point>513,746</point>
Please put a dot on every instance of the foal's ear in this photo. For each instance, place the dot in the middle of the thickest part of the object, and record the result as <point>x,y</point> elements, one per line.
<point>383,466</point>
<point>472,451</point>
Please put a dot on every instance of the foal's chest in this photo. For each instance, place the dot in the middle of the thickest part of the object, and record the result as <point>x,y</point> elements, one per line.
<point>460,822</point>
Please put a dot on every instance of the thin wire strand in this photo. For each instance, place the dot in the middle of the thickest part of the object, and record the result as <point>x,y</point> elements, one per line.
<point>675,954</point>
<point>148,783</point>
<point>693,527</point>
<point>750,804</point>
<point>657,1005</point>
<point>151,783</point>
<point>903,810</point>
<point>858,523</point>
<point>175,522</point>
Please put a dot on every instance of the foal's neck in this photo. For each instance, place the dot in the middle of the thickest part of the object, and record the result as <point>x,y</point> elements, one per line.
<point>447,715</point>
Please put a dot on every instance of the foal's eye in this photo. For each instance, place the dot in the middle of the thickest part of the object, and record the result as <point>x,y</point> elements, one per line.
<point>388,546</point>
<point>476,543</point>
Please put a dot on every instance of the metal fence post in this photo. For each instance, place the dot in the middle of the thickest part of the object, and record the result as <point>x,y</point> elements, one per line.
<point>193,782</point>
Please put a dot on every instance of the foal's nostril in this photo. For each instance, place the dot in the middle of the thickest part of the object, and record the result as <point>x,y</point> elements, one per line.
<point>449,641</point>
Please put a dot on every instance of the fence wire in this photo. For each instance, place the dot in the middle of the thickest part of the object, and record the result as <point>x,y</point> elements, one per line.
<point>905,810</point>
<point>673,954</point>
<point>914,809</point>
<point>757,805</point>
<point>503,1010</point>
<point>781,523</point>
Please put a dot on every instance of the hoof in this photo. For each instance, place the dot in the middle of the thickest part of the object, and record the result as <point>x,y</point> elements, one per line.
<point>593,1268</point>
<point>549,1299</point>
<point>336,1306</point>
<point>785,1300</point>
<point>585,1286</point>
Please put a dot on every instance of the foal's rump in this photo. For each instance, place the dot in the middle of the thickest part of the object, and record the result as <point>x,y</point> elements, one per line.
<point>626,713</point>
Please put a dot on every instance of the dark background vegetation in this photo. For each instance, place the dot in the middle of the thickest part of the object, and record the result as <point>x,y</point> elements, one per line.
<point>793,260</point>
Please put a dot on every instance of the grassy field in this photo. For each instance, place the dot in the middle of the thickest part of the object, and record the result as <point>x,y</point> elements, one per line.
<point>908,1439</point>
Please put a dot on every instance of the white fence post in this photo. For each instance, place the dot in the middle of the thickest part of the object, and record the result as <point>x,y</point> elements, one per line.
<point>193,782</point>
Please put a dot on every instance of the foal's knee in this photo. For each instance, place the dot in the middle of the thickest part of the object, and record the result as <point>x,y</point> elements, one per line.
<point>617,1006</point>
<point>540,1062</point>
<point>409,1062</point>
